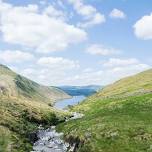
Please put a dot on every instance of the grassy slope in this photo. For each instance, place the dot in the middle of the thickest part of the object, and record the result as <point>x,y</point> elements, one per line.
<point>117,119</point>
<point>23,106</point>
<point>13,85</point>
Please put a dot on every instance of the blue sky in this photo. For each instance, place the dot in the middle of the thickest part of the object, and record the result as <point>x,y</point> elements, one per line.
<point>76,42</point>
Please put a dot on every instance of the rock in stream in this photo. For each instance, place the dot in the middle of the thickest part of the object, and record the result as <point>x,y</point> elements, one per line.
<point>51,141</point>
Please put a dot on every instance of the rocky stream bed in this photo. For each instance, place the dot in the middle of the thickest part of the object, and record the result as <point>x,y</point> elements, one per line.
<point>49,140</point>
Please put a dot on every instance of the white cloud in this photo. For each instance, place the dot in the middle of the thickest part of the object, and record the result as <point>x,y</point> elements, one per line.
<point>96,49</point>
<point>28,71</point>
<point>143,27</point>
<point>113,62</point>
<point>50,70</point>
<point>58,63</point>
<point>44,76</point>
<point>89,13</point>
<point>60,71</point>
<point>86,78</point>
<point>15,56</point>
<point>124,71</point>
<point>52,12</point>
<point>105,76</point>
<point>43,31</point>
<point>119,68</point>
<point>116,13</point>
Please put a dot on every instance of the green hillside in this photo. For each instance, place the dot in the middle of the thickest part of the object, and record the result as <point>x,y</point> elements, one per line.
<point>117,119</point>
<point>14,85</point>
<point>24,105</point>
<point>139,83</point>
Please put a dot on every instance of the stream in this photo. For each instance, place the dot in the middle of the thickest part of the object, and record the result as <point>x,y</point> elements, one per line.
<point>51,141</point>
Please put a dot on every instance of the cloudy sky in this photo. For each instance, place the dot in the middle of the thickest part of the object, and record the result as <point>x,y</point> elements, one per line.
<point>76,42</point>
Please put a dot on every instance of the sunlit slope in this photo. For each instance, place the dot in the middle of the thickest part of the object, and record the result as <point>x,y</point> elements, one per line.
<point>16,86</point>
<point>117,119</point>
<point>139,83</point>
<point>24,105</point>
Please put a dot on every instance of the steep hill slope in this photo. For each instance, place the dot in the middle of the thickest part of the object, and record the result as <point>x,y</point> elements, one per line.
<point>24,105</point>
<point>117,119</point>
<point>14,85</point>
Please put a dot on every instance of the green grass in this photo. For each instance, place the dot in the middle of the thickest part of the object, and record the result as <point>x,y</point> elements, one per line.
<point>117,119</point>
<point>4,139</point>
<point>24,105</point>
<point>114,125</point>
<point>139,83</point>
<point>23,117</point>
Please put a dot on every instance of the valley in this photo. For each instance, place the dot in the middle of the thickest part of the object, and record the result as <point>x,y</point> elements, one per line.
<point>116,118</point>
<point>75,76</point>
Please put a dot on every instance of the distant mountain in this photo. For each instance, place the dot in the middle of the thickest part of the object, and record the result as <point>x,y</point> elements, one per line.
<point>24,105</point>
<point>80,90</point>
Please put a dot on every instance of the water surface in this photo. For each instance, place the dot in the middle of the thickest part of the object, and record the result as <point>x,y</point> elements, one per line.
<point>66,102</point>
<point>50,140</point>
